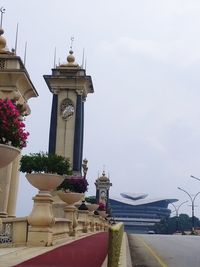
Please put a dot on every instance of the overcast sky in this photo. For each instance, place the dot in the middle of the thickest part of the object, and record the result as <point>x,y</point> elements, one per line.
<point>143,121</point>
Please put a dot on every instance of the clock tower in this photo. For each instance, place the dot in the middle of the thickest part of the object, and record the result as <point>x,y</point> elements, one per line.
<point>69,85</point>
<point>103,185</point>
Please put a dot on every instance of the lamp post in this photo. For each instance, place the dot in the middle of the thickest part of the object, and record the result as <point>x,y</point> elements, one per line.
<point>176,210</point>
<point>194,177</point>
<point>192,201</point>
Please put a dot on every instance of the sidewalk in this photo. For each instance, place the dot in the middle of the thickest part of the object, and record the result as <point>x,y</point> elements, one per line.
<point>84,252</point>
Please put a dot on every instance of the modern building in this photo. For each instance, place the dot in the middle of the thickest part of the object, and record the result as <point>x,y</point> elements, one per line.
<point>138,212</point>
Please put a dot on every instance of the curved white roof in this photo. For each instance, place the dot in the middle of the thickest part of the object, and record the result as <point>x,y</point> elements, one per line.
<point>141,201</point>
<point>133,196</point>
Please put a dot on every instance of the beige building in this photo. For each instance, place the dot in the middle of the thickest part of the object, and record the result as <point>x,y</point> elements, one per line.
<point>69,85</point>
<point>15,83</point>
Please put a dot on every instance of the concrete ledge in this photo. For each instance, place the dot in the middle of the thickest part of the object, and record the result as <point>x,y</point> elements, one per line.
<point>125,257</point>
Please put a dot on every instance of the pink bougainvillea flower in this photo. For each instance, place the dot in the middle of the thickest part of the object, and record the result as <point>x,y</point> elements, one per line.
<point>12,130</point>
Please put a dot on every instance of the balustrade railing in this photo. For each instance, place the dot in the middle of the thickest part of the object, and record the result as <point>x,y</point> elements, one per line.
<point>6,233</point>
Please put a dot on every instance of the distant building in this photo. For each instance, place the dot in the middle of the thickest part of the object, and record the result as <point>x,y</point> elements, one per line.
<point>138,213</point>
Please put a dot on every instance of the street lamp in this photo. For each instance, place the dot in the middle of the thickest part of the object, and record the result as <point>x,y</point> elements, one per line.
<point>176,210</point>
<point>192,200</point>
<point>194,177</point>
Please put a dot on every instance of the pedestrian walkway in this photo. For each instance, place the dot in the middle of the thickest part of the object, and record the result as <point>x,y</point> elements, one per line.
<point>85,252</point>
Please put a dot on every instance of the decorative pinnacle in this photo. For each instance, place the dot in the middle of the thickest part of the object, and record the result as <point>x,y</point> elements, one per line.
<point>70,57</point>
<point>84,166</point>
<point>71,44</point>
<point>2,10</point>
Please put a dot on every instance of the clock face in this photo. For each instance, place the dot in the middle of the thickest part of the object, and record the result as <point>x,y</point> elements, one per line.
<point>67,109</point>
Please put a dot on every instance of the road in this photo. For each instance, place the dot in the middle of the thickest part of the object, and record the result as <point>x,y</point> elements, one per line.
<point>164,250</point>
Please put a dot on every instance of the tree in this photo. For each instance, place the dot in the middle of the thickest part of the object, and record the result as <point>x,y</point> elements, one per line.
<point>169,225</point>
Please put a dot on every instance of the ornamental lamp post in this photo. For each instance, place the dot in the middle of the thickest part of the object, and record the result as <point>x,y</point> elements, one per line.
<point>192,201</point>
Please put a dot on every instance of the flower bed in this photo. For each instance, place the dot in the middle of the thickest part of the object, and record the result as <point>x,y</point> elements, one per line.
<point>77,184</point>
<point>12,128</point>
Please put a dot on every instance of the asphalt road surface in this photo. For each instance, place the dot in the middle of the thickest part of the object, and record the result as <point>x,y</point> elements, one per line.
<point>164,250</point>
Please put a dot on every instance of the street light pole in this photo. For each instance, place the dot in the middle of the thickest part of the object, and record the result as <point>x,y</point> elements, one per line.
<point>176,210</point>
<point>192,200</point>
<point>194,177</point>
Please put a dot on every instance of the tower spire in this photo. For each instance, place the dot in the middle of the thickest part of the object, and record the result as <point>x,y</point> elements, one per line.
<point>71,44</point>
<point>2,10</point>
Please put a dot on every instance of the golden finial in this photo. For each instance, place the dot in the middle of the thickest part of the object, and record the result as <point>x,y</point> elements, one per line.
<point>70,58</point>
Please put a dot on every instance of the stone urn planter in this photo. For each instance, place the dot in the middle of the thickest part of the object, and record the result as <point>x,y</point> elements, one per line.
<point>45,172</point>
<point>92,207</point>
<point>70,198</point>
<point>7,154</point>
<point>44,181</point>
<point>41,218</point>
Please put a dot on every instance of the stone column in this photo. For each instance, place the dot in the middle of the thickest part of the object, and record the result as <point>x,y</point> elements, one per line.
<point>5,178</point>
<point>58,206</point>
<point>83,220</point>
<point>14,183</point>
<point>91,221</point>
<point>97,222</point>
<point>71,214</point>
<point>41,220</point>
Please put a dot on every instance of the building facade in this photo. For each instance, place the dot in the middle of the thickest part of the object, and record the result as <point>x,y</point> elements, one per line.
<point>139,213</point>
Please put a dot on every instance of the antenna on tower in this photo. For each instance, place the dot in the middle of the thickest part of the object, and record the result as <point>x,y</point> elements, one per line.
<point>104,167</point>
<point>25,50</point>
<point>54,63</point>
<point>2,10</point>
<point>85,63</point>
<point>83,58</point>
<point>16,39</point>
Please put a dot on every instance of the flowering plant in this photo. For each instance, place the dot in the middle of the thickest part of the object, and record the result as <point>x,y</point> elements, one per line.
<point>12,128</point>
<point>102,206</point>
<point>77,184</point>
<point>91,199</point>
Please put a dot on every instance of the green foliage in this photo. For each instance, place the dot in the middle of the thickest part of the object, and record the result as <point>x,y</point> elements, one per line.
<point>91,199</point>
<point>115,242</point>
<point>44,162</point>
<point>171,225</point>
